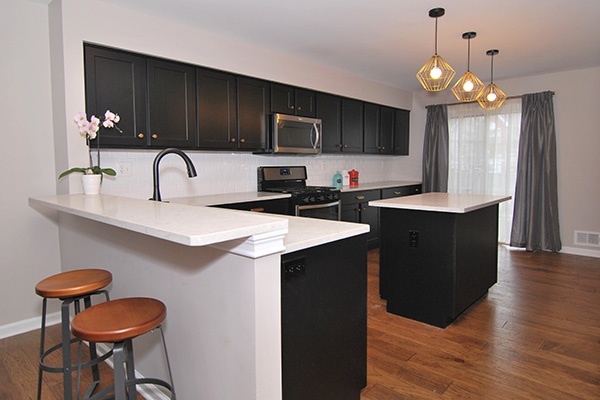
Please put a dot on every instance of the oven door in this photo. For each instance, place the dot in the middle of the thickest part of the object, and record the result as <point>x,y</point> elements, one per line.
<point>331,211</point>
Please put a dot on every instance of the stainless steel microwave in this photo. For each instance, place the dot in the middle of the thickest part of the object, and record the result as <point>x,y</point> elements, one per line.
<point>295,135</point>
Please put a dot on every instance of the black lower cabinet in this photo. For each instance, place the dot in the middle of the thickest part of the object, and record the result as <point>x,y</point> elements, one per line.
<point>434,265</point>
<point>324,321</point>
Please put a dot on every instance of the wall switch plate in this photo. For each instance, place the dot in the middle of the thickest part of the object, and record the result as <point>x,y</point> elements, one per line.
<point>123,168</point>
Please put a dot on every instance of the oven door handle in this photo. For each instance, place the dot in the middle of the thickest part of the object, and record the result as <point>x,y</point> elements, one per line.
<point>316,206</point>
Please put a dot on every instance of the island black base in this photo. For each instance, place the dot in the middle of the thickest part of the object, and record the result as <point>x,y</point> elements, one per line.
<point>324,321</point>
<point>434,265</point>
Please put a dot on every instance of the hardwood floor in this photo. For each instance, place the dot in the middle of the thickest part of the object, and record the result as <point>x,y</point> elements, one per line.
<point>536,335</point>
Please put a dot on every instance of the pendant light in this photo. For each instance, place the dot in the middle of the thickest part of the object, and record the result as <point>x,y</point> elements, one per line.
<point>436,74</point>
<point>469,87</point>
<point>492,97</point>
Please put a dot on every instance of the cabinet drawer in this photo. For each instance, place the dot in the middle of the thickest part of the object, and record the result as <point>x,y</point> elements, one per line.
<point>400,191</point>
<point>360,196</point>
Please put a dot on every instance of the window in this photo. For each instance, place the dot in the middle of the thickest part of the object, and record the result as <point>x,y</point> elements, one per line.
<point>483,151</point>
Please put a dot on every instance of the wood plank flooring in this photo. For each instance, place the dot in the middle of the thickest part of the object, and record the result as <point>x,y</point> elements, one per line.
<point>536,335</point>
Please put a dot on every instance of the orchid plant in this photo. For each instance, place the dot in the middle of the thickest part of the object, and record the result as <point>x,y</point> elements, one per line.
<point>89,130</point>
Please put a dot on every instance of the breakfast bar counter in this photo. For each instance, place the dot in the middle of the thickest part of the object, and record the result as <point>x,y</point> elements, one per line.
<point>220,274</point>
<point>438,254</point>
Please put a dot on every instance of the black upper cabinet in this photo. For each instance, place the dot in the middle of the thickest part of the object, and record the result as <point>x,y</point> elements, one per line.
<point>291,100</point>
<point>155,99</point>
<point>329,110</point>
<point>253,113</point>
<point>116,81</point>
<point>171,104</point>
<point>352,126</point>
<point>401,132</point>
<point>379,129</point>
<point>217,109</point>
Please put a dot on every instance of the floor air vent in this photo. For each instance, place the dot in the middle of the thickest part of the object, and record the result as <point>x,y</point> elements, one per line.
<point>587,238</point>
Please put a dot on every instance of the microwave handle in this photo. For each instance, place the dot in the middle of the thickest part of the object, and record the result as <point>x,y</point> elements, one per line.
<point>318,136</point>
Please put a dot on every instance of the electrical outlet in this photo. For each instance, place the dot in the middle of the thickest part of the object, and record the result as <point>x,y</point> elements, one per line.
<point>123,168</point>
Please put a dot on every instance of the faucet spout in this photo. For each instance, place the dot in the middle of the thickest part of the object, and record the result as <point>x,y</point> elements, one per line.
<point>191,170</point>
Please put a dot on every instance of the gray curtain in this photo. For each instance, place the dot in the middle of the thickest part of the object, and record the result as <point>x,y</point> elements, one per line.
<point>435,150</point>
<point>535,218</point>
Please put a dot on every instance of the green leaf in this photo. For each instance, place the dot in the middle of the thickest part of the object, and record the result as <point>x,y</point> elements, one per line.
<point>70,171</point>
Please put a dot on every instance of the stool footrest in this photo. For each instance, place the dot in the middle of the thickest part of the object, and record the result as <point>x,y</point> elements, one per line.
<point>105,393</point>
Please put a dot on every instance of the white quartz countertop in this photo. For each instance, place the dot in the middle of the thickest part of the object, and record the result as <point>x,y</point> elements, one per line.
<point>441,202</point>
<point>228,198</point>
<point>197,225</point>
<point>378,185</point>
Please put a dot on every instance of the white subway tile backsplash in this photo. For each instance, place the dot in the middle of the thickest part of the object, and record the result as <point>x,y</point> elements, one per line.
<point>223,172</point>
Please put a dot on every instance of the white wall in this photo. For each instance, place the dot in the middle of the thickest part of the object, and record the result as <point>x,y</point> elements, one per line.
<point>29,240</point>
<point>578,144</point>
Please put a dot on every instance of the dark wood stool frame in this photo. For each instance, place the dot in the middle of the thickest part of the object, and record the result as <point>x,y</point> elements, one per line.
<point>65,344</point>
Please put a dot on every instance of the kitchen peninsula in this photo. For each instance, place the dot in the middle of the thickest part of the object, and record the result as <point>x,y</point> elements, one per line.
<point>438,254</point>
<point>220,274</point>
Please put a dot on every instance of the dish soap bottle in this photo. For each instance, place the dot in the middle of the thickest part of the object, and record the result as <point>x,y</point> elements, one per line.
<point>338,181</point>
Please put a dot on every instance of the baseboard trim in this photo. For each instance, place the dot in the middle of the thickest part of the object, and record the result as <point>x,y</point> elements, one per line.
<point>581,252</point>
<point>27,325</point>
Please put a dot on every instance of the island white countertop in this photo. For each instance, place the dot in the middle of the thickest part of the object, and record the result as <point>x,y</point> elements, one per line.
<point>228,198</point>
<point>197,225</point>
<point>441,202</point>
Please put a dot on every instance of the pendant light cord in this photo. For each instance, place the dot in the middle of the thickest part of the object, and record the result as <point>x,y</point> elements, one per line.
<point>492,78</point>
<point>469,56</point>
<point>436,19</point>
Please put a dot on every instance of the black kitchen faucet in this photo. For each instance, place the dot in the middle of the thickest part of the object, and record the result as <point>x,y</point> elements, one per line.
<point>190,169</point>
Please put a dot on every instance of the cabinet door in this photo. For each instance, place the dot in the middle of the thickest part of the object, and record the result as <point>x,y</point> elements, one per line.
<point>386,130</point>
<point>116,81</point>
<point>253,112</point>
<point>401,132</point>
<point>305,103</point>
<point>371,130</point>
<point>352,125</point>
<point>171,104</point>
<point>217,111</point>
<point>329,110</point>
<point>282,99</point>
<point>370,215</point>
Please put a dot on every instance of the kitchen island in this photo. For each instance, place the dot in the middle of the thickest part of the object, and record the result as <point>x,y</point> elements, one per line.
<point>220,274</point>
<point>438,254</point>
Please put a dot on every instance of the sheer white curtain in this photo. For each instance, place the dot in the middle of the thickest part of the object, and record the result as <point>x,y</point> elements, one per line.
<point>483,151</point>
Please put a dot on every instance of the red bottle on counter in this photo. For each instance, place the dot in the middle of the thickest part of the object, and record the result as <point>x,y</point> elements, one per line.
<point>353,178</point>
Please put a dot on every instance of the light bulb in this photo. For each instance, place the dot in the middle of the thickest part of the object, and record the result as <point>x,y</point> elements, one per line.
<point>491,96</point>
<point>468,86</point>
<point>435,72</point>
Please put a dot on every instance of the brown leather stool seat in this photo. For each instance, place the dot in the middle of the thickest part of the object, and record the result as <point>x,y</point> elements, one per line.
<point>119,322</point>
<point>71,287</point>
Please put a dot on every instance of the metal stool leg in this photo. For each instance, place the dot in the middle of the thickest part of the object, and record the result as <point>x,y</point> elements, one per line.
<point>119,370</point>
<point>42,343</point>
<point>66,350</point>
<point>162,334</point>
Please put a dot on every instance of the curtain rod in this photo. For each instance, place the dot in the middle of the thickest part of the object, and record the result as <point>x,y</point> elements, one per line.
<point>475,101</point>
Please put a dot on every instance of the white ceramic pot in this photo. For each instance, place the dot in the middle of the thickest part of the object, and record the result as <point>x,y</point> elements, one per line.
<point>91,183</point>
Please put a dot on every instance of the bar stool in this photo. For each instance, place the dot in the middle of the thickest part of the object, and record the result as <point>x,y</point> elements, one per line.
<point>71,287</point>
<point>119,322</point>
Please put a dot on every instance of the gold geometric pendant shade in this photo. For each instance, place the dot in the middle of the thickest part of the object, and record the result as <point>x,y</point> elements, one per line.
<point>469,87</point>
<point>436,74</point>
<point>492,97</point>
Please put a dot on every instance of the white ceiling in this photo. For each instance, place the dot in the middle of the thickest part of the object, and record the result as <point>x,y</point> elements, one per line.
<point>389,40</point>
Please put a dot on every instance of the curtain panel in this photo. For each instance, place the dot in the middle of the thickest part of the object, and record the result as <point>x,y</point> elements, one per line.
<point>535,220</point>
<point>435,150</point>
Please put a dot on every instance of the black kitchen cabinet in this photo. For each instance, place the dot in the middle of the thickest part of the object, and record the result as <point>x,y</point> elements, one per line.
<point>324,321</point>
<point>253,112</point>
<point>155,99</point>
<point>379,129</point>
<point>171,104</point>
<point>291,100</point>
<point>329,111</point>
<point>401,132</point>
<point>217,109</point>
<point>355,208</point>
<point>275,206</point>
<point>352,126</point>
<point>399,191</point>
<point>116,81</point>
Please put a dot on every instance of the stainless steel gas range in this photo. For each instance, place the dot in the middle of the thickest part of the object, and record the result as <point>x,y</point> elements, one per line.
<point>307,201</point>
